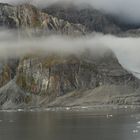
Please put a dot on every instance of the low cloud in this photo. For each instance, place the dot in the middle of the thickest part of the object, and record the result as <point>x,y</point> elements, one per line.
<point>126,49</point>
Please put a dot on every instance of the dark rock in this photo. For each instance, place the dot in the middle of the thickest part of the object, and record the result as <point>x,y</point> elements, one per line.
<point>54,76</point>
<point>11,96</point>
<point>92,19</point>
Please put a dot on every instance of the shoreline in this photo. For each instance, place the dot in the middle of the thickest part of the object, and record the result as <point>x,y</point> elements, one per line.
<point>97,109</point>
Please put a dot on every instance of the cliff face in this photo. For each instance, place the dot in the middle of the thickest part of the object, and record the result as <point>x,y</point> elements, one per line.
<point>92,19</point>
<point>54,80</point>
<point>55,76</point>
<point>32,21</point>
<point>7,70</point>
<point>28,17</point>
<point>69,81</point>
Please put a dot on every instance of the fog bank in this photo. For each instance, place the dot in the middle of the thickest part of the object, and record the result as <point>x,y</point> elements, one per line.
<point>126,49</point>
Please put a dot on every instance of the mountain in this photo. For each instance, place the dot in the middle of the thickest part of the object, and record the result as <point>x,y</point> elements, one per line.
<point>71,80</point>
<point>92,19</point>
<point>27,16</point>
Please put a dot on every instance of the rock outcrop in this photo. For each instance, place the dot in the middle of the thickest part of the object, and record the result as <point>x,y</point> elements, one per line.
<point>92,19</point>
<point>54,76</point>
<point>11,96</point>
<point>28,17</point>
<point>54,80</point>
<point>8,69</point>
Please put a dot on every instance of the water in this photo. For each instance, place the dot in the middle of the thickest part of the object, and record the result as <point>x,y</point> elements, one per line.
<point>68,126</point>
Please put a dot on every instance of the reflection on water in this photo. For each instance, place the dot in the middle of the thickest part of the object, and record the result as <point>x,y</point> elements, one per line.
<point>67,126</point>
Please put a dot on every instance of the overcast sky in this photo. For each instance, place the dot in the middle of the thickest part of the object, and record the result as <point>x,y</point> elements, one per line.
<point>127,9</point>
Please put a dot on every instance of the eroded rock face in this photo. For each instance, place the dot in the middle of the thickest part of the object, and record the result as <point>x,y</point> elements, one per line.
<point>7,70</point>
<point>92,19</point>
<point>11,96</point>
<point>83,79</point>
<point>28,17</point>
<point>54,76</point>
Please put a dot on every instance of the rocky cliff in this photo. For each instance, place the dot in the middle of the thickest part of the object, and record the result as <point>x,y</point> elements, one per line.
<point>54,80</point>
<point>81,80</point>
<point>92,19</point>
<point>55,76</point>
<point>28,17</point>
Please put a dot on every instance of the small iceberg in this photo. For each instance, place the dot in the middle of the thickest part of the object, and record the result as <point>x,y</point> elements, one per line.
<point>84,107</point>
<point>67,108</point>
<point>109,115</point>
<point>135,131</point>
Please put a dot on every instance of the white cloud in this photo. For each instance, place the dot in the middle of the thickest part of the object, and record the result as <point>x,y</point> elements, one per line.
<point>126,49</point>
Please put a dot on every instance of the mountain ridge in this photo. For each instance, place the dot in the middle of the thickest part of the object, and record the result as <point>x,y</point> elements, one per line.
<point>71,80</point>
